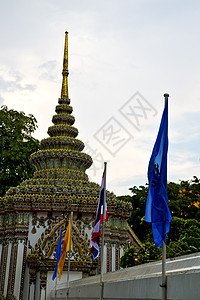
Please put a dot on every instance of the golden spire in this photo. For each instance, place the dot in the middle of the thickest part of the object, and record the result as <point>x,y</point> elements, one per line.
<point>65,72</point>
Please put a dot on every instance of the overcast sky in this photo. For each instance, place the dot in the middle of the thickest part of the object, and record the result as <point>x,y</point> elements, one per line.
<point>123,56</point>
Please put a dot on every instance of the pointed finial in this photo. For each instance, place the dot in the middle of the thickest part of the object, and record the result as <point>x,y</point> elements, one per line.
<point>166,96</point>
<point>65,72</point>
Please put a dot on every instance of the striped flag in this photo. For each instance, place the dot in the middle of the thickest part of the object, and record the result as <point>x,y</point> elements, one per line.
<point>95,239</point>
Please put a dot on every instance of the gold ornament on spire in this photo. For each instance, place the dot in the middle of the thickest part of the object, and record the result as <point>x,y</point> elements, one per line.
<point>65,72</point>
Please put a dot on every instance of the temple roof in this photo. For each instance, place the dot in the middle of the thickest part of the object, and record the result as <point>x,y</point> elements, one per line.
<point>60,177</point>
<point>62,150</point>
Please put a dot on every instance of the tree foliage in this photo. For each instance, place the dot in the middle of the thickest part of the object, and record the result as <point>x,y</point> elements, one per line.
<point>15,160</point>
<point>148,253</point>
<point>184,204</point>
<point>128,258</point>
<point>139,198</point>
<point>184,237</point>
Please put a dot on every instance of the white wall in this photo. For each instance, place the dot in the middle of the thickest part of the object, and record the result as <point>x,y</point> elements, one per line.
<point>20,253</point>
<point>143,282</point>
<point>50,287</point>
<point>33,238</point>
<point>7,268</point>
<point>113,258</point>
<point>0,251</point>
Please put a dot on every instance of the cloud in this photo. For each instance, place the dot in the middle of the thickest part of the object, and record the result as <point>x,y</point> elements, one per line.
<point>115,49</point>
<point>50,70</point>
<point>1,100</point>
<point>12,81</point>
<point>183,165</point>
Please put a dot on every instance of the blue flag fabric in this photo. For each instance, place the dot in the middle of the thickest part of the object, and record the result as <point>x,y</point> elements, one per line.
<point>157,211</point>
<point>58,255</point>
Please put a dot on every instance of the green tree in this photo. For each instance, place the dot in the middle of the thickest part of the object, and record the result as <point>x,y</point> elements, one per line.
<point>128,258</point>
<point>184,199</point>
<point>184,235</point>
<point>148,253</point>
<point>136,221</point>
<point>15,161</point>
<point>183,238</point>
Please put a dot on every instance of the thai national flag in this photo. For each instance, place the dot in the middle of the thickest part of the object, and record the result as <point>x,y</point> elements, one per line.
<point>95,240</point>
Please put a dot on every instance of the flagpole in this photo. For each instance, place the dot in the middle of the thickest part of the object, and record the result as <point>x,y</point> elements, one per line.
<point>103,222</point>
<point>69,256</point>
<point>164,277</point>
<point>56,287</point>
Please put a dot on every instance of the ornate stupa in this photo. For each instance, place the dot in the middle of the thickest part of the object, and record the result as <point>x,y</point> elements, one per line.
<point>32,214</point>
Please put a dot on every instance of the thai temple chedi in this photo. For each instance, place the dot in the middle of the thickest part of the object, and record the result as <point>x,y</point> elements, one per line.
<point>32,214</point>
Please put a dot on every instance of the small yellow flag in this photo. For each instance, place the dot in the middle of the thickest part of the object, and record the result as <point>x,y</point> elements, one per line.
<point>65,248</point>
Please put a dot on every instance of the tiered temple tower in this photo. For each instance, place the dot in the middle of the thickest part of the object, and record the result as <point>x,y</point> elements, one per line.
<point>32,214</point>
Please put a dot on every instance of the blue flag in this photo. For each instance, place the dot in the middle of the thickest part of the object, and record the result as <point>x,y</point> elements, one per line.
<point>58,255</point>
<point>157,211</point>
